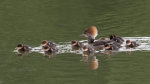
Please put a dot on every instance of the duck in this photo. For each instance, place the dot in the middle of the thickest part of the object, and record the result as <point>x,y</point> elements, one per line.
<point>48,43</point>
<point>131,44</point>
<point>119,40</point>
<point>76,43</point>
<point>88,50</point>
<point>100,43</point>
<point>112,47</point>
<point>23,48</point>
<point>48,49</point>
<point>91,31</point>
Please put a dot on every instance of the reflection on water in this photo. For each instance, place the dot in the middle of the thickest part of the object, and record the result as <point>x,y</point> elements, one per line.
<point>31,21</point>
<point>22,53</point>
<point>84,59</point>
<point>49,55</point>
<point>93,62</point>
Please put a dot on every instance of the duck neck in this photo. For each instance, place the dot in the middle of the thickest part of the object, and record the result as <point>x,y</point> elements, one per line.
<point>90,39</point>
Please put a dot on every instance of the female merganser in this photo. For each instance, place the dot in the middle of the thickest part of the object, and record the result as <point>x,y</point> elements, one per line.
<point>92,31</point>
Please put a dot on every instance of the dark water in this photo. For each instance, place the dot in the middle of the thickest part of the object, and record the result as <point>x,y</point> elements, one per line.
<point>31,21</point>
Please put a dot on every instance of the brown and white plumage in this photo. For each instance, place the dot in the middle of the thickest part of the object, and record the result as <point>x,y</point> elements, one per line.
<point>91,31</point>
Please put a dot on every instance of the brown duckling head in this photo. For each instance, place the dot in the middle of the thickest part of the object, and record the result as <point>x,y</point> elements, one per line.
<point>46,48</point>
<point>91,31</point>
<point>107,46</point>
<point>19,46</point>
<point>85,48</point>
<point>112,36</point>
<point>44,42</point>
<point>128,42</point>
<point>74,42</point>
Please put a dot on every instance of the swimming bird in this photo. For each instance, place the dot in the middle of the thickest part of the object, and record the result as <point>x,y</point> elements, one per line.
<point>23,48</point>
<point>131,44</point>
<point>100,43</point>
<point>91,31</point>
<point>49,43</point>
<point>75,43</point>
<point>119,40</point>
<point>48,49</point>
<point>111,47</point>
<point>88,50</point>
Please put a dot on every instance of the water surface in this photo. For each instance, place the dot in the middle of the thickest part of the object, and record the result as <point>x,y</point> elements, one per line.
<point>31,21</point>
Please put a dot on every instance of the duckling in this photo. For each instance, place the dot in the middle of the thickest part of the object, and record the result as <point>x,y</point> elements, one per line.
<point>131,44</point>
<point>75,43</point>
<point>21,47</point>
<point>111,47</point>
<point>49,43</point>
<point>88,50</point>
<point>48,49</point>
<point>99,44</point>
<point>113,37</point>
<point>91,31</point>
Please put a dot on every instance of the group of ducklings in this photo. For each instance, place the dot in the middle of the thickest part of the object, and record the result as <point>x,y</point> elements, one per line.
<point>114,43</point>
<point>47,46</point>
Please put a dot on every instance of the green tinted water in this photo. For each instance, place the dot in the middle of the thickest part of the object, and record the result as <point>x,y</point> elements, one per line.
<point>31,21</point>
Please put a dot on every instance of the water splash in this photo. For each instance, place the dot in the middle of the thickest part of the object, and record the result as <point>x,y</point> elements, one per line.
<point>65,47</point>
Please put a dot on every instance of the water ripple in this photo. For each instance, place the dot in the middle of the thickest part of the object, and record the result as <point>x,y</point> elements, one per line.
<point>65,47</point>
